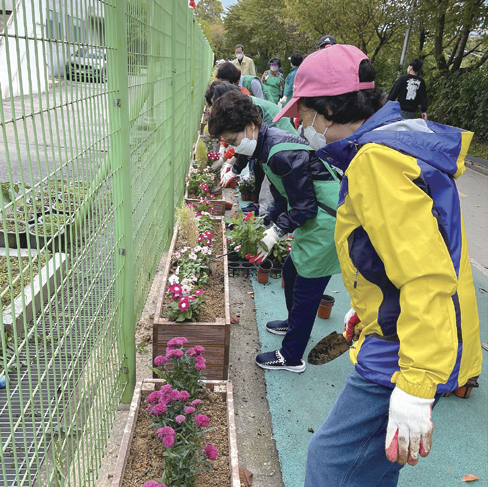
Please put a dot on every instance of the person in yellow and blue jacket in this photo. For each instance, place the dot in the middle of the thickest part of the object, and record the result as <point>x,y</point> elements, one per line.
<point>404,260</point>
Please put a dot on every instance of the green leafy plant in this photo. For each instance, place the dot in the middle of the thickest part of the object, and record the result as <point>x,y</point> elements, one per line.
<point>281,249</point>
<point>247,185</point>
<point>174,411</point>
<point>200,181</point>
<point>244,233</point>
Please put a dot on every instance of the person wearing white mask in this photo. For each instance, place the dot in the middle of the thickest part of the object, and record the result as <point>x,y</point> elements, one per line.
<point>310,189</point>
<point>243,62</point>
<point>404,259</point>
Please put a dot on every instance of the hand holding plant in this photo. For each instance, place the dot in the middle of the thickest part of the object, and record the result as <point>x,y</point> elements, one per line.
<point>246,231</point>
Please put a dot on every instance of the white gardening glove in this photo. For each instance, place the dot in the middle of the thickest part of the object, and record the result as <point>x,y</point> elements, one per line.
<point>217,164</point>
<point>424,116</point>
<point>222,150</point>
<point>283,100</point>
<point>270,238</point>
<point>350,321</point>
<point>226,179</point>
<point>409,429</point>
<point>226,166</point>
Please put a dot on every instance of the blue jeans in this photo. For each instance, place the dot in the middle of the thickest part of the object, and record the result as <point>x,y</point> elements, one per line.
<point>302,297</point>
<point>348,450</point>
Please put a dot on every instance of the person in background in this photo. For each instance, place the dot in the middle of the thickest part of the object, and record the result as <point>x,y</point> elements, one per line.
<point>295,61</point>
<point>327,40</point>
<point>273,81</point>
<point>230,73</point>
<point>410,91</point>
<point>244,63</point>
<point>404,260</point>
<point>311,190</point>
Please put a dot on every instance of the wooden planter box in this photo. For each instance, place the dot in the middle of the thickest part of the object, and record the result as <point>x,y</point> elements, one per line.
<point>144,388</point>
<point>219,205</point>
<point>215,337</point>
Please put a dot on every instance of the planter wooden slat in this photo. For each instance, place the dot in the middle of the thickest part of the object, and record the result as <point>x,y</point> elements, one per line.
<point>144,388</point>
<point>215,337</point>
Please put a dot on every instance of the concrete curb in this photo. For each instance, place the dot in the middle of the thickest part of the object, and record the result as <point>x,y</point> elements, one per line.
<point>477,164</point>
<point>53,268</point>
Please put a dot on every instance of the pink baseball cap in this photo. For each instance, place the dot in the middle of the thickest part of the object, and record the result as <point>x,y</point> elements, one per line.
<point>331,71</point>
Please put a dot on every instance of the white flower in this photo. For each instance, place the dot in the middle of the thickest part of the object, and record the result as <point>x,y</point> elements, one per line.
<point>186,288</point>
<point>192,256</point>
<point>197,248</point>
<point>173,279</point>
<point>177,255</point>
<point>205,250</point>
<point>177,270</point>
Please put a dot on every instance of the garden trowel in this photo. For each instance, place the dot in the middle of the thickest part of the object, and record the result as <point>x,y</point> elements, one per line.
<point>329,348</point>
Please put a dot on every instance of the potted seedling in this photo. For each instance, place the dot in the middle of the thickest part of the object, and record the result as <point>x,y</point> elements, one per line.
<point>52,230</point>
<point>10,230</point>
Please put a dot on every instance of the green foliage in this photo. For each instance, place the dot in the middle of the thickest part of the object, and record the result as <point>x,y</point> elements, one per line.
<point>245,232</point>
<point>201,181</point>
<point>209,10</point>
<point>247,185</point>
<point>461,101</point>
<point>281,249</point>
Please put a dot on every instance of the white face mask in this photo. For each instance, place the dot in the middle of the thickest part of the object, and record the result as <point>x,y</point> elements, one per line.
<point>315,139</point>
<point>247,146</point>
<point>239,56</point>
<point>273,68</point>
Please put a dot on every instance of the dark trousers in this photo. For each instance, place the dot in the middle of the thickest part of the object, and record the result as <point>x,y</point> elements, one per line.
<point>303,297</point>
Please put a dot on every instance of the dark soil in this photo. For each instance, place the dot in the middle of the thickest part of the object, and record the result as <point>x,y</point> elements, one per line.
<point>214,306</point>
<point>145,460</point>
<point>329,348</point>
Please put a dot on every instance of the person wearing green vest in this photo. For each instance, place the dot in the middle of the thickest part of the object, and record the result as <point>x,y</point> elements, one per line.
<point>311,190</point>
<point>295,61</point>
<point>230,73</point>
<point>231,170</point>
<point>273,81</point>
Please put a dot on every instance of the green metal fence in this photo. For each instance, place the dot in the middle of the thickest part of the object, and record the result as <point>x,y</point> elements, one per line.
<point>100,104</point>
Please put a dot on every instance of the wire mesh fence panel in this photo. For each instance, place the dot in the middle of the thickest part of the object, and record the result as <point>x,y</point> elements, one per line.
<point>93,155</point>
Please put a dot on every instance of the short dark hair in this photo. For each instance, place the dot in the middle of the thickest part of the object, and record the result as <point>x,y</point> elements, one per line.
<point>239,46</point>
<point>228,72</point>
<point>416,64</point>
<point>349,107</point>
<point>296,59</point>
<point>233,111</point>
<point>217,89</point>
<point>275,60</point>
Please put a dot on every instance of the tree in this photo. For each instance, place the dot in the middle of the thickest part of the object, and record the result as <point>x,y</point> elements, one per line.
<point>210,10</point>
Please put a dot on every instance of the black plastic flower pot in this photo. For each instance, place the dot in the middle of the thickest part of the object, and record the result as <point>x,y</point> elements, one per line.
<point>9,238</point>
<point>54,243</point>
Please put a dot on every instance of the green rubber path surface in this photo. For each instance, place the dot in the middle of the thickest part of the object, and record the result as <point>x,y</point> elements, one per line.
<point>299,403</point>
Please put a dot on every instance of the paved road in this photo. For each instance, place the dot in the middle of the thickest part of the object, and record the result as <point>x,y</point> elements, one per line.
<point>473,191</point>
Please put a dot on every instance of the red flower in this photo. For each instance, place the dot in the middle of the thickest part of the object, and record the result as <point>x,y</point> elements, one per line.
<point>192,4</point>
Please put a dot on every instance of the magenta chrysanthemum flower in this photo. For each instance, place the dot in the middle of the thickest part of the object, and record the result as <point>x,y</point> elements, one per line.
<point>175,395</point>
<point>200,366</point>
<point>153,398</point>
<point>168,441</point>
<point>202,420</point>
<point>166,430</point>
<point>175,353</point>
<point>211,452</point>
<point>199,348</point>
<point>177,342</point>
<point>158,409</point>
<point>184,395</point>
<point>191,352</point>
<point>196,402</point>
<point>152,483</point>
<point>180,418</point>
<point>189,410</point>
<point>160,360</point>
<point>200,359</point>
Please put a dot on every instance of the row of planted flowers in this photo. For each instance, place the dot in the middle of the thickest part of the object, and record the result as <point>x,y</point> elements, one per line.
<point>179,412</point>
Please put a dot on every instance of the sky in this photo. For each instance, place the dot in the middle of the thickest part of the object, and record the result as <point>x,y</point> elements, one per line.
<point>226,3</point>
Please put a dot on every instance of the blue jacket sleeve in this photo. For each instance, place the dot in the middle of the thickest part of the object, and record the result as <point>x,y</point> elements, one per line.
<point>294,170</point>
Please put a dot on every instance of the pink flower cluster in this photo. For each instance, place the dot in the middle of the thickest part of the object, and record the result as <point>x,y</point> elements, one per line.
<point>213,156</point>
<point>205,238</point>
<point>153,483</point>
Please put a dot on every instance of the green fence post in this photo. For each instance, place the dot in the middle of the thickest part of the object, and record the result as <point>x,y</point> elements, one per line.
<point>122,194</point>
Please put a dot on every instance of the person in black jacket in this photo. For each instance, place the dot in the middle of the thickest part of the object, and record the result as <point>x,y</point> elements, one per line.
<point>311,190</point>
<point>410,91</point>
